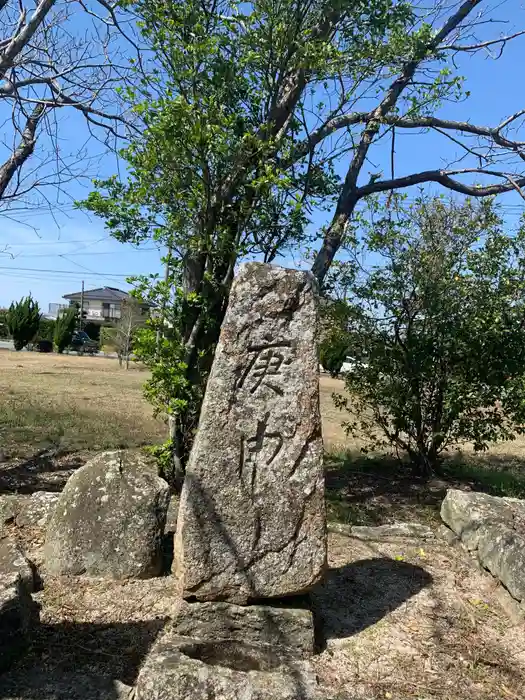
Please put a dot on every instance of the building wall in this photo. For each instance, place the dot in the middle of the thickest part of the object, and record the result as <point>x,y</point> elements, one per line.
<point>96,310</point>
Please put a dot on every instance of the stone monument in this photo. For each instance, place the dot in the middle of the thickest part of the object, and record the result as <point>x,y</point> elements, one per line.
<point>251,526</point>
<point>251,521</point>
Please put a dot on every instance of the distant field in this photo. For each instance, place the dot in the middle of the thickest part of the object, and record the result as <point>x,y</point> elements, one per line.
<point>76,403</point>
<point>90,403</point>
<point>86,404</point>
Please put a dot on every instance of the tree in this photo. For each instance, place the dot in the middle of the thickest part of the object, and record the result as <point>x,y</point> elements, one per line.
<point>247,112</point>
<point>64,328</point>
<point>23,320</point>
<point>131,319</point>
<point>437,332</point>
<point>57,55</point>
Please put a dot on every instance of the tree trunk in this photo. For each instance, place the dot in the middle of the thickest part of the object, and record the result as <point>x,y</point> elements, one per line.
<point>332,241</point>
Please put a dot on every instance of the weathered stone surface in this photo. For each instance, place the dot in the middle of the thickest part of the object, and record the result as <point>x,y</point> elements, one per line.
<point>288,628</point>
<point>13,561</point>
<point>9,508</point>
<point>180,668</point>
<point>495,529</point>
<point>251,520</point>
<point>109,520</point>
<point>465,512</point>
<point>17,613</point>
<point>56,685</point>
<point>37,509</point>
<point>502,551</point>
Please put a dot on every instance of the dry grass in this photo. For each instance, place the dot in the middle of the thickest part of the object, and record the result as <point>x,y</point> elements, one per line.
<point>415,620</point>
<point>73,403</point>
<point>408,620</point>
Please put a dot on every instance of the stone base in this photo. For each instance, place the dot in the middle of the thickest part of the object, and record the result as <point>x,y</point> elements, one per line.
<point>290,629</point>
<point>179,668</point>
<point>221,650</point>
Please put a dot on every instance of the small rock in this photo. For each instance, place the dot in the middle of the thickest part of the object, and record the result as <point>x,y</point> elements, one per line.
<point>109,520</point>
<point>13,561</point>
<point>447,534</point>
<point>10,506</point>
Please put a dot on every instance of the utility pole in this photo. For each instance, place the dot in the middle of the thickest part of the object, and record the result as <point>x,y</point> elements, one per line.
<point>81,322</point>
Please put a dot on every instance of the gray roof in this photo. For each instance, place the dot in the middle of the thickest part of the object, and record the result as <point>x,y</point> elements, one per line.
<point>100,294</point>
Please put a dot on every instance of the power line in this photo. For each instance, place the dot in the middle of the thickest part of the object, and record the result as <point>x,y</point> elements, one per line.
<point>67,272</point>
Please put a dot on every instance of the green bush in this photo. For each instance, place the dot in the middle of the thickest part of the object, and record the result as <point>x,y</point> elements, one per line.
<point>64,328</point>
<point>108,338</point>
<point>92,329</point>
<point>4,330</point>
<point>23,320</point>
<point>46,330</point>
<point>332,354</point>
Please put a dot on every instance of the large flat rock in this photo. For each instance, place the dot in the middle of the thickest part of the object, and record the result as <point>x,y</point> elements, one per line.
<point>109,520</point>
<point>251,521</point>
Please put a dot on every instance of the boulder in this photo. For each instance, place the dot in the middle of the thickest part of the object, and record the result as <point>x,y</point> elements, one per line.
<point>17,614</point>
<point>251,520</point>
<point>109,520</point>
<point>291,629</point>
<point>465,512</point>
<point>502,551</point>
<point>180,668</point>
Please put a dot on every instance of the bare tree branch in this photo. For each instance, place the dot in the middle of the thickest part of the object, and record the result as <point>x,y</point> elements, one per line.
<point>383,114</point>
<point>443,177</point>
<point>59,56</point>
<point>481,44</point>
<point>23,151</point>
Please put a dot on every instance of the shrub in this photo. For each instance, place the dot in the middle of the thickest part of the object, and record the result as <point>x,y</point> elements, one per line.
<point>64,328</point>
<point>332,353</point>
<point>46,329</point>
<point>23,320</point>
<point>437,332</point>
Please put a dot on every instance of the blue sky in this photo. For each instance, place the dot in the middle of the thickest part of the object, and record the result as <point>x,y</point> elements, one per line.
<point>49,255</point>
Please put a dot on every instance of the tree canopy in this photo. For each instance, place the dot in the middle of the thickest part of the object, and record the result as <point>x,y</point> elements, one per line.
<point>249,113</point>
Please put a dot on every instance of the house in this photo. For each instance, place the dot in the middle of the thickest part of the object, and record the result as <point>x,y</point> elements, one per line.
<point>102,304</point>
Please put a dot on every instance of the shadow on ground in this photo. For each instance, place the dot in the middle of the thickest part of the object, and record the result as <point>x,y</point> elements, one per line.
<point>357,595</point>
<point>68,650</point>
<point>365,490</point>
<point>40,472</point>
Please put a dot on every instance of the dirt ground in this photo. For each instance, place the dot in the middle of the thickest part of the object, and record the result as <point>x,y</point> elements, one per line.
<point>406,619</point>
